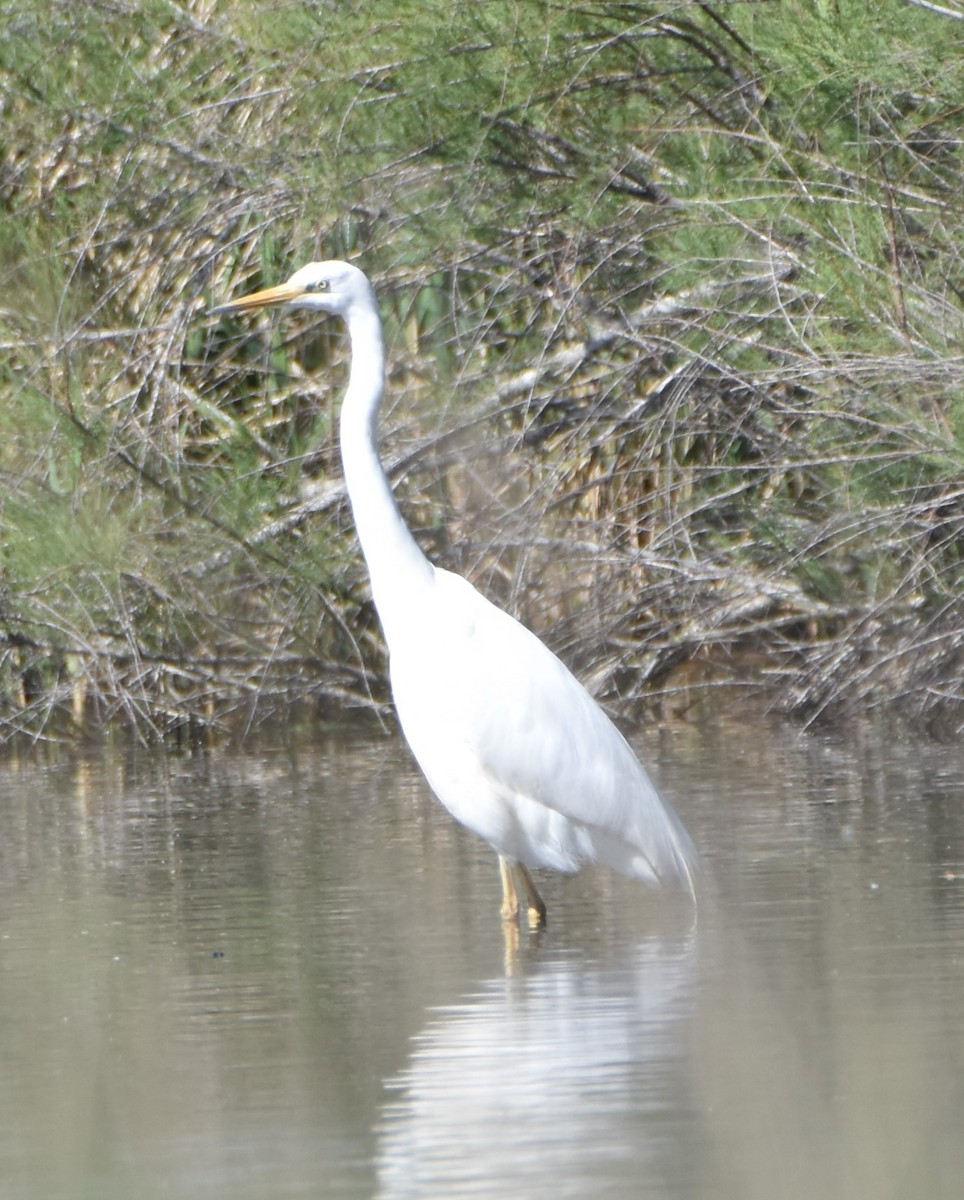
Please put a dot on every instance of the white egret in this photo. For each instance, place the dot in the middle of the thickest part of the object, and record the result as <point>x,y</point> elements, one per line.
<point>510,742</point>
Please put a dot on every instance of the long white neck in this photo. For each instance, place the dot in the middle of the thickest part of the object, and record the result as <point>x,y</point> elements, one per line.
<point>397,566</point>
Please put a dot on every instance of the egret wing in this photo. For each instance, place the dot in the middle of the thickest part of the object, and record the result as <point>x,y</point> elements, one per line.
<point>496,719</point>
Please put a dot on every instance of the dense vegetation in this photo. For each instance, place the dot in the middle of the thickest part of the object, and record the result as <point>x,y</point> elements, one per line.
<point>674,295</point>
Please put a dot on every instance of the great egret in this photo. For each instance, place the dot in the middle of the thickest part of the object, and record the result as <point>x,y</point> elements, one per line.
<point>510,742</point>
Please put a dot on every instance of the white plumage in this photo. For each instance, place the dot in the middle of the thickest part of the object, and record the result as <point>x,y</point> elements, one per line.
<point>510,742</point>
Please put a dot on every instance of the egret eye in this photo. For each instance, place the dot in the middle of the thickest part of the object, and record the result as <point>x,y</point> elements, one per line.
<point>317,285</point>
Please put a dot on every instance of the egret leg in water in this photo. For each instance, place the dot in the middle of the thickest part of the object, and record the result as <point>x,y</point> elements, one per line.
<point>510,898</point>
<point>510,742</point>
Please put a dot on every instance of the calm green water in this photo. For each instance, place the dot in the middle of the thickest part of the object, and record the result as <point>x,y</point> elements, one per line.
<point>281,973</point>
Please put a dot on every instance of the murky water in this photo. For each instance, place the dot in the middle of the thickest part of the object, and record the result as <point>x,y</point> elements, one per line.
<point>281,973</point>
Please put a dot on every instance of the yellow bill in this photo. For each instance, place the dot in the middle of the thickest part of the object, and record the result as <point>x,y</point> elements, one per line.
<point>282,293</point>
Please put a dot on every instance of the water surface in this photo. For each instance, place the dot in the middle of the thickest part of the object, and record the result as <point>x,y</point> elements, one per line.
<point>280,972</point>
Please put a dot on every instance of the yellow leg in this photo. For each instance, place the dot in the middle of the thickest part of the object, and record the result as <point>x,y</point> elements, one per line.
<point>510,901</point>
<point>510,897</point>
<point>537,907</point>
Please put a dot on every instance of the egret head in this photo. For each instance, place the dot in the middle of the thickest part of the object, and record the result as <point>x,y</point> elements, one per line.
<point>332,287</point>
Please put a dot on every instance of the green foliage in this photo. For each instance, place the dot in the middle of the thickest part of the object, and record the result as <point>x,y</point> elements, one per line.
<point>747,215</point>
